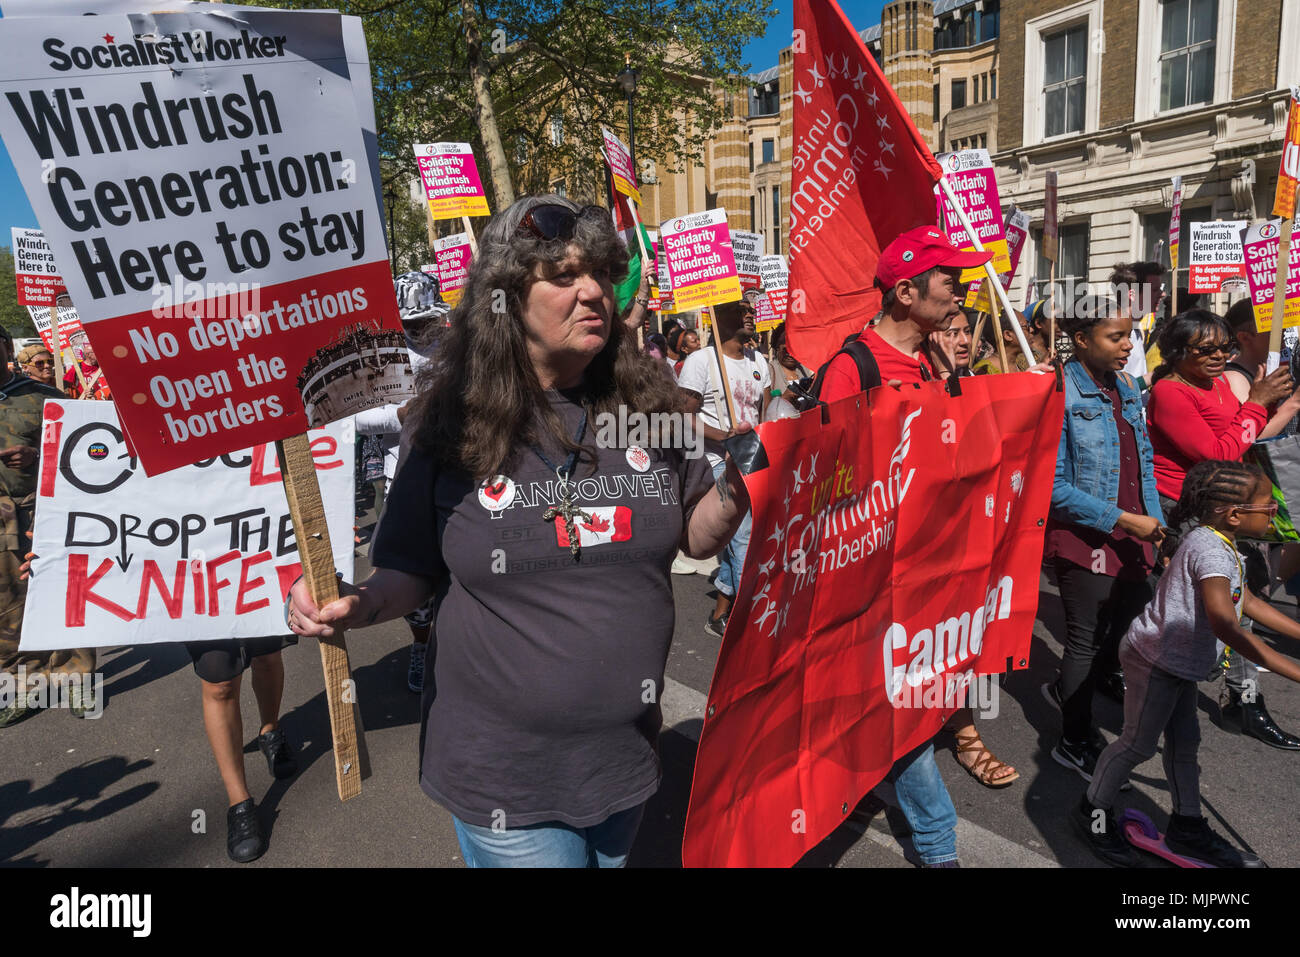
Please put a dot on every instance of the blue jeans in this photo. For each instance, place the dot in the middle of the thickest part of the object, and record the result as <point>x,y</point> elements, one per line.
<point>924,800</point>
<point>732,559</point>
<point>551,844</point>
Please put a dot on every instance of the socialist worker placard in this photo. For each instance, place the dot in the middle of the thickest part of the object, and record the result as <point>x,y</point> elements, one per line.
<point>204,185</point>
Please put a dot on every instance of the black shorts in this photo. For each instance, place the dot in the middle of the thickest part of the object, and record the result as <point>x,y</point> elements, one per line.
<point>217,661</point>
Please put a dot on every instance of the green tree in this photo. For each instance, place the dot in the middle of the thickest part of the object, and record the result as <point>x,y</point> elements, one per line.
<point>14,317</point>
<point>496,75</point>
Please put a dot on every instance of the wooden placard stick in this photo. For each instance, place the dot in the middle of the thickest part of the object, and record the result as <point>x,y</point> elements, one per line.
<point>430,226</point>
<point>722,371</point>
<point>1279,292</point>
<point>469,231</point>
<point>975,336</point>
<point>1002,346</point>
<point>58,349</point>
<point>645,259</point>
<point>302,489</point>
<point>1051,315</point>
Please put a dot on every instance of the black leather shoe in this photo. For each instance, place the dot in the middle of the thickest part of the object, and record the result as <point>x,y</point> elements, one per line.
<point>244,839</point>
<point>1253,719</point>
<point>279,756</point>
<point>1112,686</point>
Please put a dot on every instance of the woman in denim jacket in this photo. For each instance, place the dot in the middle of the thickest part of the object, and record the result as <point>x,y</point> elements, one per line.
<point>1105,519</point>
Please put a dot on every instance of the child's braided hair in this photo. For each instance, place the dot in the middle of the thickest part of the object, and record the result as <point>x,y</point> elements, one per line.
<point>1209,485</point>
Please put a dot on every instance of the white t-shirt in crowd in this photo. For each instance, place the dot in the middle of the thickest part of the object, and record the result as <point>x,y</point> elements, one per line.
<point>1136,366</point>
<point>750,380</point>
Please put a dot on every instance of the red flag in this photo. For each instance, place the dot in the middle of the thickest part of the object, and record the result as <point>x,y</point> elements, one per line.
<point>894,556</point>
<point>862,175</point>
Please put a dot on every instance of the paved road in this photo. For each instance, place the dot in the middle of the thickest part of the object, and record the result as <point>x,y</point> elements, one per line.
<point>139,787</point>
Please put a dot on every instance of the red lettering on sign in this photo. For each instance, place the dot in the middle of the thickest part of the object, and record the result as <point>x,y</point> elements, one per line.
<point>245,586</point>
<point>81,590</point>
<point>173,600</point>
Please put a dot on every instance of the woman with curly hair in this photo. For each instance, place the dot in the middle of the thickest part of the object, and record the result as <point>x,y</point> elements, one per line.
<point>546,543</point>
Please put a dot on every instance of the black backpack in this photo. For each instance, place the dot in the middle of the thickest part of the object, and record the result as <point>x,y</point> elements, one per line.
<point>808,391</point>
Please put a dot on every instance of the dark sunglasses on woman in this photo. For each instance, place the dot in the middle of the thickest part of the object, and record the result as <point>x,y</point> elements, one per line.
<point>552,221</point>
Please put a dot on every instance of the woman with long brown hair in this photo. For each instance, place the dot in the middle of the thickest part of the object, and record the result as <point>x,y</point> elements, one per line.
<point>546,541</point>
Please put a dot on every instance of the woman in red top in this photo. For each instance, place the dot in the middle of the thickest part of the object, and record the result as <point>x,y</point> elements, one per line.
<point>1193,415</point>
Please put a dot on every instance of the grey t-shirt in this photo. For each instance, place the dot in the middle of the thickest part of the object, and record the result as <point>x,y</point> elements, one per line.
<point>547,673</point>
<point>1173,632</point>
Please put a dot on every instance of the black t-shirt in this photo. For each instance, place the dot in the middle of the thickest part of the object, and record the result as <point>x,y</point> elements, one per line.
<point>547,673</point>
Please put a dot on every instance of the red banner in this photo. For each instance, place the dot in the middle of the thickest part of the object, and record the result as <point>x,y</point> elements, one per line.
<point>861,175</point>
<point>895,554</point>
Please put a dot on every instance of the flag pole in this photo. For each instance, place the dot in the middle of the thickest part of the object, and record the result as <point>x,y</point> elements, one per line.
<point>992,275</point>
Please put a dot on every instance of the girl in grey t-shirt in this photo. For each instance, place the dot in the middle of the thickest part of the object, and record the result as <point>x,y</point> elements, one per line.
<point>1171,645</point>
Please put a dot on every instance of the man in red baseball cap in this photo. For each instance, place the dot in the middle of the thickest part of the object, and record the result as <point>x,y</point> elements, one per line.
<point>919,274</point>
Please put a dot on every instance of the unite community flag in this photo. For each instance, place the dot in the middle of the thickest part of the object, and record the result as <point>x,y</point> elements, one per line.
<point>861,175</point>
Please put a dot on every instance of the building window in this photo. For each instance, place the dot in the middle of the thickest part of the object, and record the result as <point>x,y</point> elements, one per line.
<point>1064,70</point>
<point>1071,262</point>
<point>984,88</point>
<point>989,21</point>
<point>1187,32</point>
<point>558,188</point>
<point>769,151</point>
<point>751,156</point>
<point>557,130</point>
<point>753,225</point>
<point>936,103</point>
<point>958,94</point>
<point>993,84</point>
<point>776,218</point>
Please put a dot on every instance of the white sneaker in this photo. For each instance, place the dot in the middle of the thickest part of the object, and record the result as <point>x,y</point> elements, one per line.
<point>680,566</point>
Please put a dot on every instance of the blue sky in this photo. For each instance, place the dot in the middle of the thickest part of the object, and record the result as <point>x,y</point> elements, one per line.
<point>761,54</point>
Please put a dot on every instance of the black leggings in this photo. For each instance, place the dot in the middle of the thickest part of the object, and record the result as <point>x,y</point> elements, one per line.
<point>1098,612</point>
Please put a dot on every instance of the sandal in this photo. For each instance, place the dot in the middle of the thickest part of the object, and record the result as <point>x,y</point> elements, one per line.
<point>984,767</point>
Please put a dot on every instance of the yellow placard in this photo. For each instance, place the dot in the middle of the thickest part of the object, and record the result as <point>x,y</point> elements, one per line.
<point>1264,315</point>
<point>453,207</point>
<point>701,294</point>
<point>1001,260</point>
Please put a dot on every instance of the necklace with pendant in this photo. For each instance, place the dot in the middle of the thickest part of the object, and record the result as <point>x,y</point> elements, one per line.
<point>566,509</point>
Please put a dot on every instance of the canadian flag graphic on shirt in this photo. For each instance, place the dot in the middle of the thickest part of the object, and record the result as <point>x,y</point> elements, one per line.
<point>610,523</point>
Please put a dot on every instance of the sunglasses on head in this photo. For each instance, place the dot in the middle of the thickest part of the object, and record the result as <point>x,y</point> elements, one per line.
<point>1204,351</point>
<point>552,221</point>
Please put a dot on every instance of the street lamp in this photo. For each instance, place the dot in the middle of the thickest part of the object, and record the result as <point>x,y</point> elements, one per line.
<point>391,197</point>
<point>627,80</point>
